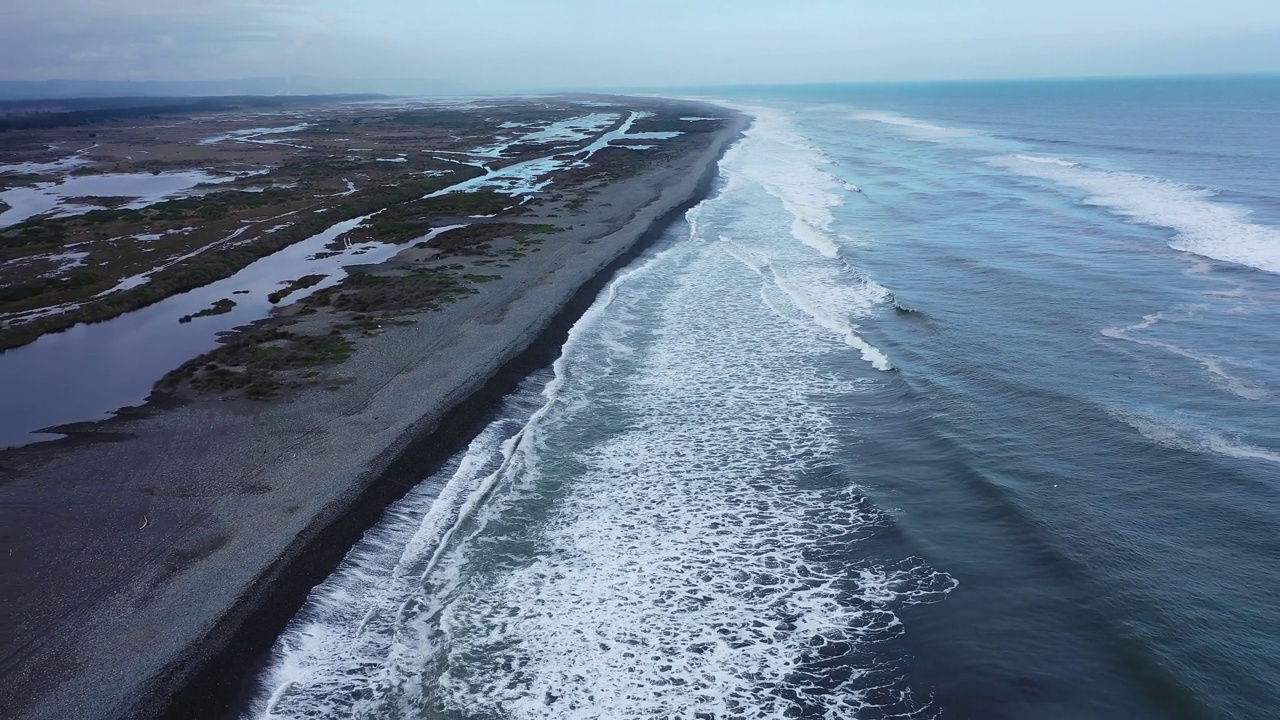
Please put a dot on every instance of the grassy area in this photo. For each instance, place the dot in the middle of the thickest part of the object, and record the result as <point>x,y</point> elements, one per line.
<point>261,362</point>
<point>301,283</point>
<point>424,289</point>
<point>221,307</point>
<point>478,239</point>
<point>481,202</point>
<point>258,363</point>
<point>200,270</point>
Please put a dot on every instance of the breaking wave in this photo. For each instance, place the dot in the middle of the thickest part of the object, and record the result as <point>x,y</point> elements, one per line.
<point>1214,366</point>
<point>916,129</point>
<point>1184,435</point>
<point>830,291</point>
<point>657,533</point>
<point>1202,227</point>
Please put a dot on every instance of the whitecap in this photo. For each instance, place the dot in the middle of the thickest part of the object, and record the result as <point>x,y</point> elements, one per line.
<point>776,158</point>
<point>1181,434</point>
<point>646,543</point>
<point>1201,226</point>
<point>917,129</point>
<point>1215,366</point>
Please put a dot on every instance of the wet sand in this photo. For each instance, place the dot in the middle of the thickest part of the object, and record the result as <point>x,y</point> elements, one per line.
<point>150,560</point>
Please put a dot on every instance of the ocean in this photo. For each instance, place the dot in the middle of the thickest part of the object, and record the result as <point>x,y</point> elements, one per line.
<point>952,401</point>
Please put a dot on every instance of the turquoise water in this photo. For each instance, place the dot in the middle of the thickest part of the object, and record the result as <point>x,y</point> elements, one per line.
<point>953,401</point>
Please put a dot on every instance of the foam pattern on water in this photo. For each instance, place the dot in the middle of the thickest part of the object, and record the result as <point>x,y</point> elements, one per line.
<point>915,129</point>
<point>693,558</point>
<point>328,662</point>
<point>1202,226</point>
<point>829,290</point>
<point>666,536</point>
<point>1217,368</point>
<point>1181,433</point>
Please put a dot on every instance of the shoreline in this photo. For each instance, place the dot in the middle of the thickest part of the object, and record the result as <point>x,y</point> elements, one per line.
<point>205,676</point>
<point>420,457</point>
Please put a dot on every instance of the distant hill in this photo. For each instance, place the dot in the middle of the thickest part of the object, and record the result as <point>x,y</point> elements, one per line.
<point>64,89</point>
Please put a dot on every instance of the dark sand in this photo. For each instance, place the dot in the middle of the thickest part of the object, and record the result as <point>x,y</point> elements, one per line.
<point>149,561</point>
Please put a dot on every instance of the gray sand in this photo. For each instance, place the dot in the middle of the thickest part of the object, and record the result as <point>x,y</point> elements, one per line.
<point>103,614</point>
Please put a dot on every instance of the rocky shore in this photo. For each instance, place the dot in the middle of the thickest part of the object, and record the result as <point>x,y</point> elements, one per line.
<point>149,561</point>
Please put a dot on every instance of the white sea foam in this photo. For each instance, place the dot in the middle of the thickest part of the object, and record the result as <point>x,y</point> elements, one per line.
<point>1215,366</point>
<point>1039,160</point>
<point>787,166</point>
<point>916,129</point>
<point>674,575</point>
<point>334,657</point>
<point>350,619</point>
<point>650,543</point>
<point>1182,434</point>
<point>1201,226</point>
<point>827,290</point>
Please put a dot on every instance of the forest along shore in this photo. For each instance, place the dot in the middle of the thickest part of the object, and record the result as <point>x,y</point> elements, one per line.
<point>150,558</point>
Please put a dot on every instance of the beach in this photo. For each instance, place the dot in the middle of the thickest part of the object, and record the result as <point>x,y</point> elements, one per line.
<point>151,559</point>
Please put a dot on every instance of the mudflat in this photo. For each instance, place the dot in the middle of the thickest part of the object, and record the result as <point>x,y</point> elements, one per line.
<point>149,558</point>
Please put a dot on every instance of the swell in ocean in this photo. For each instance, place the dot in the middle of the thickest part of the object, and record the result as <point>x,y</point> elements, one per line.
<point>1097,264</point>
<point>654,527</point>
<point>1201,225</point>
<point>946,404</point>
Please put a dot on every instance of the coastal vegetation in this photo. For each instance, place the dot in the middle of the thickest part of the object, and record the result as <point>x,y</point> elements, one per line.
<point>301,283</point>
<point>220,307</point>
<point>261,364</point>
<point>265,359</point>
<point>192,241</point>
<point>330,170</point>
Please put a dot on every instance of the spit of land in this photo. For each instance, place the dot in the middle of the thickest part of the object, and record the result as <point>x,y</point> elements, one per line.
<point>293,298</point>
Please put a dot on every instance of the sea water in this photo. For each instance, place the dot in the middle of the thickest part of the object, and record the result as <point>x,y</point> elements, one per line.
<point>951,401</point>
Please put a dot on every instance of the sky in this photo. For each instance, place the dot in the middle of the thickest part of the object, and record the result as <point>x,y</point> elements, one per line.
<point>567,44</point>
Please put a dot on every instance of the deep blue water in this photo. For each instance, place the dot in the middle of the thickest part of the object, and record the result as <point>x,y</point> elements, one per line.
<point>954,401</point>
<point>1089,413</point>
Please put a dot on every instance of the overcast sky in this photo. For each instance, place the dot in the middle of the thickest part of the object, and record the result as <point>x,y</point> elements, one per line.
<point>550,44</point>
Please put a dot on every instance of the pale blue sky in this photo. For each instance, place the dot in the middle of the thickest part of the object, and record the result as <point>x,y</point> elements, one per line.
<point>503,44</point>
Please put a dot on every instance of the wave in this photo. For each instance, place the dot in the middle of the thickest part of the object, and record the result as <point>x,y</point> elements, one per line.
<point>808,297</point>
<point>333,659</point>
<point>322,660</point>
<point>681,572</point>
<point>1059,162</point>
<point>788,167</point>
<point>775,157</point>
<point>1183,435</point>
<point>917,129</point>
<point>643,537</point>
<point>899,306</point>
<point>1213,365</point>
<point>1202,227</point>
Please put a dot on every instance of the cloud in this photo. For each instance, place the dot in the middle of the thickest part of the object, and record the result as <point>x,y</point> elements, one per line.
<point>155,39</point>
<point>521,44</point>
